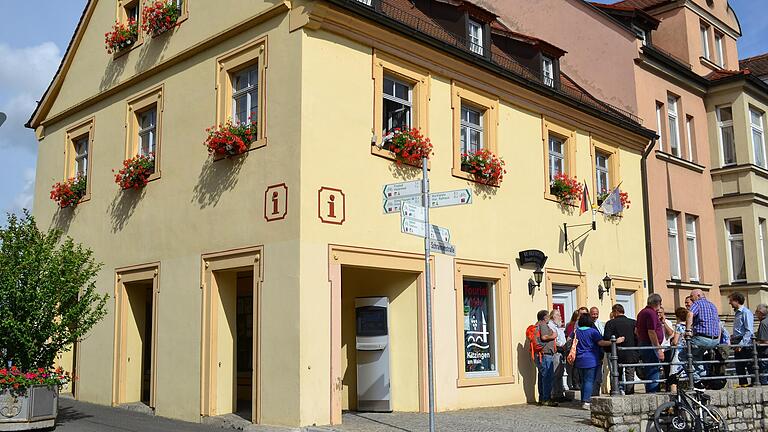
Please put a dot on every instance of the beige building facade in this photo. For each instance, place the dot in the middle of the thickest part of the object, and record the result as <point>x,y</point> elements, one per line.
<point>232,281</point>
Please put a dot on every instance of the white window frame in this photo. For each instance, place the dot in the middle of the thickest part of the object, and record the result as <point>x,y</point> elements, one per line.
<point>705,41</point>
<point>721,125</point>
<point>475,33</point>
<point>601,171</point>
<point>80,145</point>
<point>672,233</point>
<point>757,128</point>
<point>659,124</point>
<point>365,2</point>
<point>493,310</point>
<point>762,236</point>
<point>149,133</point>
<point>693,253</point>
<point>548,71</point>
<point>251,93</point>
<point>409,103</point>
<point>720,51</point>
<point>673,125</point>
<point>733,238</point>
<point>555,156</point>
<point>689,135</point>
<point>467,127</point>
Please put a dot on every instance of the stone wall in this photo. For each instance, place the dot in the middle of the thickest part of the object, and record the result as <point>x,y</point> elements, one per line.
<point>746,409</point>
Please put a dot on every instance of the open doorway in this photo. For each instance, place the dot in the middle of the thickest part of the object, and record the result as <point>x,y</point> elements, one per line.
<point>230,336</point>
<point>136,337</point>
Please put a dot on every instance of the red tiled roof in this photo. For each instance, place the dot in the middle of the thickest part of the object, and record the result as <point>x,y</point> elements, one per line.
<point>499,28</point>
<point>724,73</point>
<point>757,65</point>
<point>642,4</point>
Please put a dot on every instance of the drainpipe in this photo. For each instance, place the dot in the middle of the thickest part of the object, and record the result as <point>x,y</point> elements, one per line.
<point>647,213</point>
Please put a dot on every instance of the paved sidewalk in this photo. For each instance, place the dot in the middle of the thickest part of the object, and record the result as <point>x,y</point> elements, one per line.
<point>75,416</point>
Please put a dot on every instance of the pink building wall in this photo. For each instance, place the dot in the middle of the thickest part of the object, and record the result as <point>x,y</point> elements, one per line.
<point>601,52</point>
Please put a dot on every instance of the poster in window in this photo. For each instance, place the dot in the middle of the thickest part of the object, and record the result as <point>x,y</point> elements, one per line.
<point>478,327</point>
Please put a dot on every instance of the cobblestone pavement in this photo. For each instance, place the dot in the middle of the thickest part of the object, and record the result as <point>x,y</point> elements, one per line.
<point>518,418</point>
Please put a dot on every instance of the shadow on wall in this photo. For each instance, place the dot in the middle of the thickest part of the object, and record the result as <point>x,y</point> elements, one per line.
<point>122,207</point>
<point>484,191</point>
<point>404,172</point>
<point>152,50</point>
<point>112,72</point>
<point>216,177</point>
<point>527,371</point>
<point>62,219</point>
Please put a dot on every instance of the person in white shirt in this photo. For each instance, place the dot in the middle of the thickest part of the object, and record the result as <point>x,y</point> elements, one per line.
<point>669,332</point>
<point>558,359</point>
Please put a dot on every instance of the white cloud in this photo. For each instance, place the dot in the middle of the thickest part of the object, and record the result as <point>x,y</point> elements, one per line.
<point>23,200</point>
<point>24,74</point>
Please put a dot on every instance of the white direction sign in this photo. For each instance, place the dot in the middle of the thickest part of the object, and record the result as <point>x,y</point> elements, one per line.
<point>450,198</point>
<point>393,205</point>
<point>413,211</point>
<point>442,247</point>
<point>402,189</point>
<point>416,227</point>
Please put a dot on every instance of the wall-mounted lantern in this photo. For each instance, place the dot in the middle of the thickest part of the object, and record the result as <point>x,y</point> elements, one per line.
<point>606,288</point>
<point>537,257</point>
<point>538,276</point>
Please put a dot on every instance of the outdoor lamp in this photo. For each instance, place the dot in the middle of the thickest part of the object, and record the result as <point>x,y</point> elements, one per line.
<point>538,275</point>
<point>606,288</point>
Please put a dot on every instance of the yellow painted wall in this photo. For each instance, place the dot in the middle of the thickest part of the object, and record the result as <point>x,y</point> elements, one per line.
<point>400,288</point>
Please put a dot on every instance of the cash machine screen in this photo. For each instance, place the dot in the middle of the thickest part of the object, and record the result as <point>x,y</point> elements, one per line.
<point>371,321</point>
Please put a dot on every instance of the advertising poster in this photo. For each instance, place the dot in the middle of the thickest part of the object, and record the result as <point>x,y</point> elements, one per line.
<point>478,313</point>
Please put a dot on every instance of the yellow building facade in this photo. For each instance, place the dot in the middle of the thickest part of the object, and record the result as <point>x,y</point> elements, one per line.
<point>232,281</point>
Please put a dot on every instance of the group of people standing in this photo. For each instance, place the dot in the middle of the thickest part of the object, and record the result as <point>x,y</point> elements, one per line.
<point>579,348</point>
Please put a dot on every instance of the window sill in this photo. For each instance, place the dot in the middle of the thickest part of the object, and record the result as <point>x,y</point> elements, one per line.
<point>744,286</point>
<point>710,64</point>
<point>459,173</point>
<point>677,283</point>
<point>124,51</point>
<point>549,197</point>
<point>483,381</point>
<point>386,154</point>
<point>666,157</point>
<point>254,145</point>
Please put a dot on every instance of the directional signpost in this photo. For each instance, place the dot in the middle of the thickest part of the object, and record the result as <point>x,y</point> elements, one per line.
<point>412,200</point>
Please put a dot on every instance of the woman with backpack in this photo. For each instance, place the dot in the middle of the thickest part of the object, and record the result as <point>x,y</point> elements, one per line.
<point>586,353</point>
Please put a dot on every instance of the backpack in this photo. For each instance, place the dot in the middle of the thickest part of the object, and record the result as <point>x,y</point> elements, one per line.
<point>533,334</point>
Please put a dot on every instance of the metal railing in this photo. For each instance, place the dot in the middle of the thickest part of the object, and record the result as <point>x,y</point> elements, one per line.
<point>428,27</point>
<point>758,362</point>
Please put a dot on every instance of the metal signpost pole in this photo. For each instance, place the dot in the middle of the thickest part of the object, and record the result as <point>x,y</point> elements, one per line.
<point>428,283</point>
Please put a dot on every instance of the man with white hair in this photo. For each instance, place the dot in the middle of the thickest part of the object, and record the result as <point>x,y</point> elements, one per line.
<point>703,327</point>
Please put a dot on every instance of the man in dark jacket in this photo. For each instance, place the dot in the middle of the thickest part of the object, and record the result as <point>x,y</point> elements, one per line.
<point>620,326</point>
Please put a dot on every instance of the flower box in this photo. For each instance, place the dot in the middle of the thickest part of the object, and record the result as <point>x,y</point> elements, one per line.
<point>122,36</point>
<point>136,172</point>
<point>409,146</point>
<point>159,17</point>
<point>229,139</point>
<point>566,189</point>
<point>37,408</point>
<point>484,166</point>
<point>69,192</point>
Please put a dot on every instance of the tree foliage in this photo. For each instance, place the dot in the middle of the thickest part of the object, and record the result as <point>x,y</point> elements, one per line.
<point>48,297</point>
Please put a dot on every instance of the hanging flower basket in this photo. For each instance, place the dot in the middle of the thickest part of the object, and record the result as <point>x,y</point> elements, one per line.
<point>229,140</point>
<point>159,17</point>
<point>485,167</point>
<point>69,192</point>
<point>122,36</point>
<point>566,189</point>
<point>409,146</point>
<point>135,172</point>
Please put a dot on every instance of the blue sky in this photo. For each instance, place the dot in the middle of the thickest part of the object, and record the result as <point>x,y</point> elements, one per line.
<point>35,34</point>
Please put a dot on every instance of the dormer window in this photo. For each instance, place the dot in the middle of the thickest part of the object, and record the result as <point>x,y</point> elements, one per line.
<point>475,37</point>
<point>641,34</point>
<point>548,71</point>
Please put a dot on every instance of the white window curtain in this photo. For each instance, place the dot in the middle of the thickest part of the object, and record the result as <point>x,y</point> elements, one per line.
<point>674,248</point>
<point>758,137</point>
<point>727,143</point>
<point>736,246</point>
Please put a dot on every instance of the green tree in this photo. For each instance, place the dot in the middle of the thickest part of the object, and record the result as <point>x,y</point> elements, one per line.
<point>48,297</point>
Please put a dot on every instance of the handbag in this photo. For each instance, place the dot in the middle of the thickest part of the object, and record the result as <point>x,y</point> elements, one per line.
<point>571,358</point>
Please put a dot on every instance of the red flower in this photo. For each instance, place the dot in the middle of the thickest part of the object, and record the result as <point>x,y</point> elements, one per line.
<point>409,146</point>
<point>121,36</point>
<point>69,192</point>
<point>160,16</point>
<point>136,171</point>
<point>229,139</point>
<point>486,167</point>
<point>566,189</point>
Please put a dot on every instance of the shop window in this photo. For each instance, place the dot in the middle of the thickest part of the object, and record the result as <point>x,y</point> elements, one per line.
<point>401,92</point>
<point>240,79</point>
<point>144,128</point>
<point>475,123</point>
<point>483,320</point>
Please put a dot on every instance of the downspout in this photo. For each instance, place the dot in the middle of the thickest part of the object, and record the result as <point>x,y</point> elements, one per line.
<point>647,213</point>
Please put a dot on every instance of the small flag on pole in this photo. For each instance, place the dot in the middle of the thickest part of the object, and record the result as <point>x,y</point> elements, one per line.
<point>585,201</point>
<point>612,203</point>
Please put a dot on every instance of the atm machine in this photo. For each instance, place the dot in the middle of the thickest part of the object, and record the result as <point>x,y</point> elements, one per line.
<point>372,344</point>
